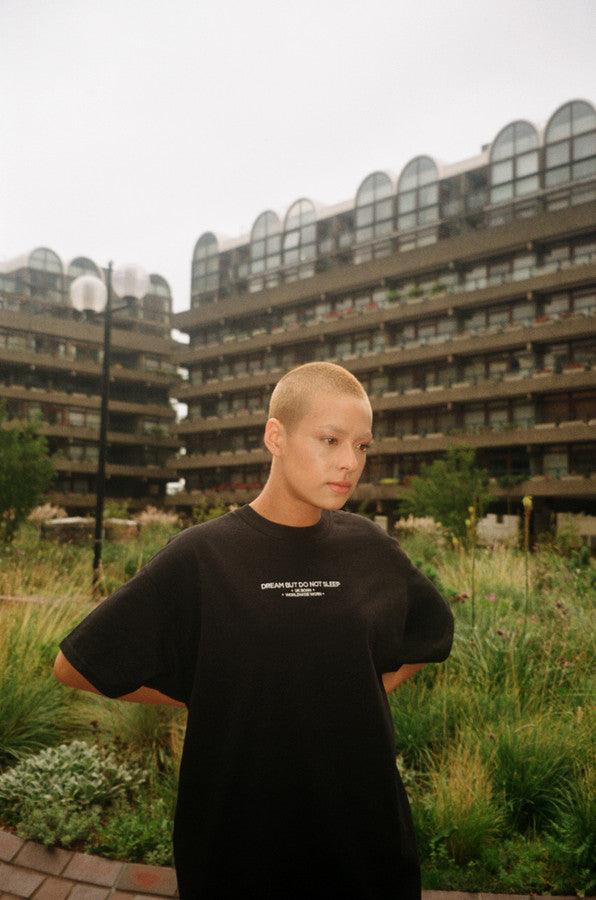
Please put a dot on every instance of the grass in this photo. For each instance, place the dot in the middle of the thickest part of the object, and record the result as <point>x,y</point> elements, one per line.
<point>494,744</point>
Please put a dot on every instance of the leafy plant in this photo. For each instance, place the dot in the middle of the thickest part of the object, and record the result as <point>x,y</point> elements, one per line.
<point>26,472</point>
<point>446,488</point>
<point>74,775</point>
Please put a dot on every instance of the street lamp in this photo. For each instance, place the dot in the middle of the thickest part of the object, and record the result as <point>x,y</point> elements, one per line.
<point>88,292</point>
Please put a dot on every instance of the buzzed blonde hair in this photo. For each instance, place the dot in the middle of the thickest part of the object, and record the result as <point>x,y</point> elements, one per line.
<point>292,395</point>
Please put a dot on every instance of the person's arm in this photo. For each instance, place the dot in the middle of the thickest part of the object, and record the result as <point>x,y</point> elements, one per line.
<point>392,680</point>
<point>66,673</point>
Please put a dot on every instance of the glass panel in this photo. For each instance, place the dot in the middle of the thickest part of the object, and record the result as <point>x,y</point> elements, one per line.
<point>558,176</point>
<point>407,201</point>
<point>384,210</point>
<point>527,164</point>
<point>526,138</point>
<point>428,195</point>
<point>408,221</point>
<point>291,239</point>
<point>560,126</point>
<point>503,147</point>
<point>382,228</point>
<point>584,117</point>
<point>557,154</point>
<point>527,185</point>
<point>584,146</point>
<point>364,216</point>
<point>502,171</point>
<point>503,192</point>
<point>584,169</point>
<point>426,216</point>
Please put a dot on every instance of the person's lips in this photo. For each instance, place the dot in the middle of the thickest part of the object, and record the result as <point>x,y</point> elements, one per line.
<point>340,486</point>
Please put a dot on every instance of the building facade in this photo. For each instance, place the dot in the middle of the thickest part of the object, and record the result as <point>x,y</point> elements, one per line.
<point>462,296</point>
<point>51,360</point>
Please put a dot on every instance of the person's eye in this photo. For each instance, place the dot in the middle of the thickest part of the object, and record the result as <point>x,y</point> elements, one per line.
<point>365,447</point>
<point>329,439</point>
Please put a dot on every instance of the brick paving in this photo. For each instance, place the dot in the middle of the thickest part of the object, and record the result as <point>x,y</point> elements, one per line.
<point>28,869</point>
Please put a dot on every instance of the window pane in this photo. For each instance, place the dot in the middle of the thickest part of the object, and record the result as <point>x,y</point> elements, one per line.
<point>428,195</point>
<point>527,164</point>
<point>560,126</point>
<point>291,239</point>
<point>504,192</point>
<point>527,185</point>
<point>557,154</point>
<point>384,210</point>
<point>502,171</point>
<point>557,176</point>
<point>364,216</point>
<point>584,168</point>
<point>408,221</point>
<point>426,216</point>
<point>407,202</point>
<point>584,146</point>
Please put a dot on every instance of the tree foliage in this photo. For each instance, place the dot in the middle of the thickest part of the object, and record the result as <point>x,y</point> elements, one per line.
<point>446,488</point>
<point>26,471</point>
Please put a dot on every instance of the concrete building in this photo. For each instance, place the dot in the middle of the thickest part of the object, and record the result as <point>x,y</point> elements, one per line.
<point>51,366</point>
<point>463,296</point>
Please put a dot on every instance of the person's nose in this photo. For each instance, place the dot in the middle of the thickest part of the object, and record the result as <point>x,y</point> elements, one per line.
<point>350,459</point>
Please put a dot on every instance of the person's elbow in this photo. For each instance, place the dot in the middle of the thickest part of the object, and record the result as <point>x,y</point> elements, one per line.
<point>66,673</point>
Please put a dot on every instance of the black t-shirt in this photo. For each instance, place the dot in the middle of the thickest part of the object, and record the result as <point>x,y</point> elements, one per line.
<point>276,637</point>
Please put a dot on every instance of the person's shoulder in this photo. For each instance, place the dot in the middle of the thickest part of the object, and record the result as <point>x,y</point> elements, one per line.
<point>373,533</point>
<point>352,522</point>
<point>195,535</point>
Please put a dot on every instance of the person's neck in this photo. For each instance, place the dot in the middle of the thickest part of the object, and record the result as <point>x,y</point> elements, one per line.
<point>282,511</point>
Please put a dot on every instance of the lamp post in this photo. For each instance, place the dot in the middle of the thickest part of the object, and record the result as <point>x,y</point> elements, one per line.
<point>88,292</point>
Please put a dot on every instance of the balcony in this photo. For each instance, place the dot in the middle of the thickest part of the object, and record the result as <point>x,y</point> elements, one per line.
<point>460,250</point>
<point>467,343</point>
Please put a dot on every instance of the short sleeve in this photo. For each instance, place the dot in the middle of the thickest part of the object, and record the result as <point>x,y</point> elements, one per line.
<point>429,625</point>
<point>146,632</point>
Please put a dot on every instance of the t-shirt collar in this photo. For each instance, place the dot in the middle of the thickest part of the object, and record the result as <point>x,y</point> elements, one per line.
<point>291,533</point>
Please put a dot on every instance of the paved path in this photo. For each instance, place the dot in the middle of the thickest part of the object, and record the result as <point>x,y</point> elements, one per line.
<point>28,869</point>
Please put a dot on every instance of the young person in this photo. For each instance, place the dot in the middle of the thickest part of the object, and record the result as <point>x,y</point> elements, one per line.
<point>281,626</point>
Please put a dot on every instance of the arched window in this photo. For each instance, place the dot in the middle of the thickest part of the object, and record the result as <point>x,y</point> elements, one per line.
<point>514,163</point>
<point>265,251</point>
<point>44,276</point>
<point>299,241</point>
<point>418,194</point>
<point>570,144</point>
<point>157,302</point>
<point>265,243</point>
<point>374,208</point>
<point>300,233</point>
<point>81,265</point>
<point>205,265</point>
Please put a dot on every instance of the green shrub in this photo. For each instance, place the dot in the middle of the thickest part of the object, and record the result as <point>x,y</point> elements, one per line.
<point>74,776</point>
<point>56,823</point>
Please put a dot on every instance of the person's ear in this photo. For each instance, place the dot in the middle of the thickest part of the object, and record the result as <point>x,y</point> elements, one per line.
<point>274,437</point>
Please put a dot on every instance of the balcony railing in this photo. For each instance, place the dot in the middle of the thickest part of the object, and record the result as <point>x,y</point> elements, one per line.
<point>470,331</point>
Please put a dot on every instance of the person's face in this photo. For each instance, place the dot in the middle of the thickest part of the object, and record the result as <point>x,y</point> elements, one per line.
<point>328,447</point>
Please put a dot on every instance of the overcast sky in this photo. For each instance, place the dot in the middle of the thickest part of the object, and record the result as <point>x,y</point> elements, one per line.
<point>129,127</point>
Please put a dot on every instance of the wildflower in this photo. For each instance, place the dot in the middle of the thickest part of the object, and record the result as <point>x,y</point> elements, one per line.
<point>492,597</point>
